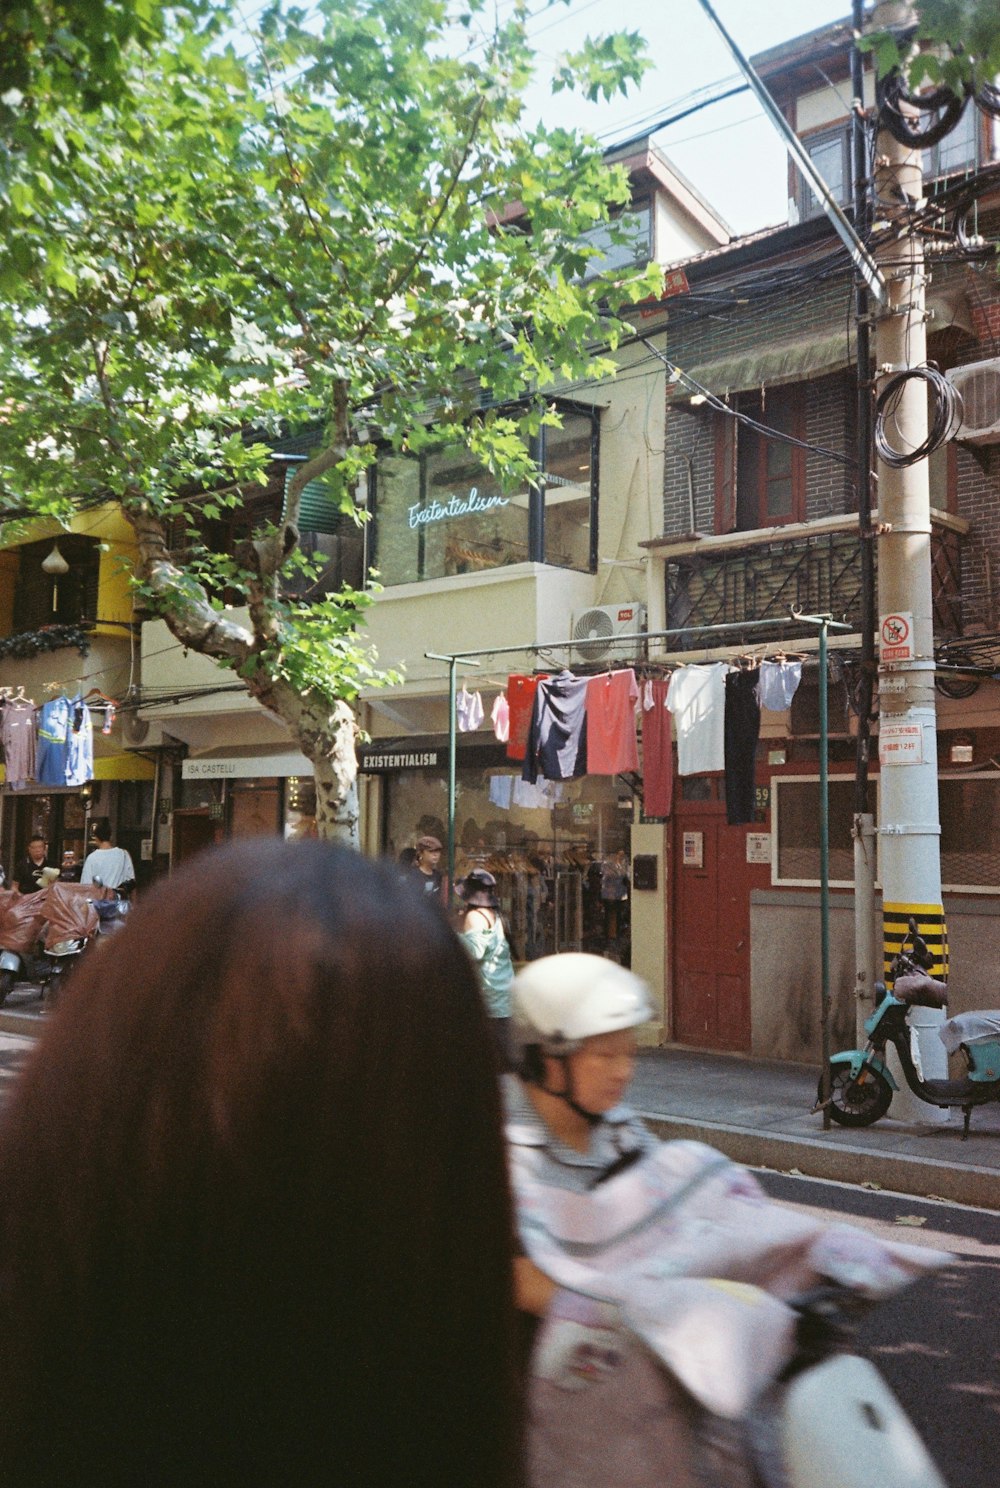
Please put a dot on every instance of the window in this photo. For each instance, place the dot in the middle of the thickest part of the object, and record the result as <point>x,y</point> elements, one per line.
<point>959,150</point>
<point>57,599</point>
<point>969,806</point>
<point>830,152</point>
<point>442,514</point>
<point>623,242</point>
<point>795,808</point>
<point>759,480</point>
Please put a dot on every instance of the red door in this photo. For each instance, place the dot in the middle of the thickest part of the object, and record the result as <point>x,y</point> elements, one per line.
<point>711,929</point>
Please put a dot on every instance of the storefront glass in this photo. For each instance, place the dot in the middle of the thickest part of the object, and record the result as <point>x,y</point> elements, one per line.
<point>443,514</point>
<point>561,863</point>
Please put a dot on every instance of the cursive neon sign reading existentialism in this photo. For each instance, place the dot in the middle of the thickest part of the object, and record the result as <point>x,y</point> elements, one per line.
<point>438,511</point>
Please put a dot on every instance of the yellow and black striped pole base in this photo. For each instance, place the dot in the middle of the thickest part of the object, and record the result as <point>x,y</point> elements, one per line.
<point>930,924</point>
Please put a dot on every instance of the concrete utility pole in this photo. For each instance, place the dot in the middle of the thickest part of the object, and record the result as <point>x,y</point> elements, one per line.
<point>909,831</point>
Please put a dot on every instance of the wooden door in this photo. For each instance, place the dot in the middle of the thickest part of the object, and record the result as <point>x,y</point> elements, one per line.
<point>711,931</point>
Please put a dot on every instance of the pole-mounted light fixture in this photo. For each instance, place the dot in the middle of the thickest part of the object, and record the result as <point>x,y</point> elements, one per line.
<point>55,564</point>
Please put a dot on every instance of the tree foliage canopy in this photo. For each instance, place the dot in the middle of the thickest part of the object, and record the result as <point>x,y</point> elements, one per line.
<point>318,232</point>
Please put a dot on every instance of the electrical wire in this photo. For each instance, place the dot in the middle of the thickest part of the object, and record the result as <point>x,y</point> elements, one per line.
<point>945,422</point>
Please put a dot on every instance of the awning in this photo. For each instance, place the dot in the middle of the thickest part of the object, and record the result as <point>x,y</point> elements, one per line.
<point>239,764</point>
<point>781,362</point>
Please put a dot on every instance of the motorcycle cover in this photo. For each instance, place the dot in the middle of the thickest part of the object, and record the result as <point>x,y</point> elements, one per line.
<point>69,914</point>
<point>680,1261</point>
<point>21,919</point>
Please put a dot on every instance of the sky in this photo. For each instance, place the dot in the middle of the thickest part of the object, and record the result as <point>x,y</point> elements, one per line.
<point>728,150</point>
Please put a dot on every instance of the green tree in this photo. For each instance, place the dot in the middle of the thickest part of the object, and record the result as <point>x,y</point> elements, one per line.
<point>961,44</point>
<point>316,234</point>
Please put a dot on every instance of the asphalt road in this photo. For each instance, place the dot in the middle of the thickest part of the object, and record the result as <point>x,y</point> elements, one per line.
<point>937,1344</point>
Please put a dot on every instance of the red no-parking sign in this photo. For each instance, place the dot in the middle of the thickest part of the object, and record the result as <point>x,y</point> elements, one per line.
<point>896,632</point>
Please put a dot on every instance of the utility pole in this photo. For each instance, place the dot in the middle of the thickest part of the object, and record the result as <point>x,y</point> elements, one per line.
<point>909,829</point>
<point>866,938</point>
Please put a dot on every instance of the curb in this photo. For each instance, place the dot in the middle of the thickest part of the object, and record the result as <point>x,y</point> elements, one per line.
<point>28,1025</point>
<point>921,1177</point>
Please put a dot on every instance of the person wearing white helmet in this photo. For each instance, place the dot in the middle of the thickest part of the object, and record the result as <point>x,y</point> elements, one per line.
<point>575,1022</point>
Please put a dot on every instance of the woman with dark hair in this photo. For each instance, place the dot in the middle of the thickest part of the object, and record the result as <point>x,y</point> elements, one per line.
<point>254,1218</point>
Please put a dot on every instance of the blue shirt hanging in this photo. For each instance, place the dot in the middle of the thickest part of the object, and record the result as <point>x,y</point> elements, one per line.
<point>80,745</point>
<point>54,723</point>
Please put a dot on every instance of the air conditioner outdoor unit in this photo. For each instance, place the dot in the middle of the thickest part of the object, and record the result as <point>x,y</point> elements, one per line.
<point>597,631</point>
<point>979,385</point>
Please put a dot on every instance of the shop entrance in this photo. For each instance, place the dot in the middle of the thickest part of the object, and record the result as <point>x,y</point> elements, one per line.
<point>711,925</point>
<point>193,830</point>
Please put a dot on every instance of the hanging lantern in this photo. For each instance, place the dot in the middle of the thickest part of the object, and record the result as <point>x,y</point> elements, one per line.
<point>55,564</point>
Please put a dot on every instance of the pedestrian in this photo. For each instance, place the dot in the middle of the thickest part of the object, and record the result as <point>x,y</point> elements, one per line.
<point>484,936</point>
<point>254,1215</point>
<point>106,864</point>
<point>35,871</point>
<point>425,870</point>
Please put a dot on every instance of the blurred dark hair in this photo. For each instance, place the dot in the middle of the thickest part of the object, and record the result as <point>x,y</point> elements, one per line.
<point>254,1218</point>
<point>100,828</point>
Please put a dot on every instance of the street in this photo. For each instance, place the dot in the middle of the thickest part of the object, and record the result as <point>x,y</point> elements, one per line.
<point>936,1344</point>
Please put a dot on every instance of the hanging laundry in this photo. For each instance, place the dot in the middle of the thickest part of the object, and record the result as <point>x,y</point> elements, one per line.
<point>540,795</point>
<point>778,683</point>
<point>54,722</point>
<point>468,711</point>
<point>80,744</point>
<point>500,717</point>
<point>697,699</point>
<point>501,787</point>
<point>557,739</point>
<point>612,745</point>
<point>657,754</point>
<point>520,701</point>
<point>742,731</point>
<point>17,734</point>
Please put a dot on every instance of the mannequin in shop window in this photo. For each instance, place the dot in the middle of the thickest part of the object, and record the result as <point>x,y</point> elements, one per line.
<point>35,871</point>
<point>107,864</point>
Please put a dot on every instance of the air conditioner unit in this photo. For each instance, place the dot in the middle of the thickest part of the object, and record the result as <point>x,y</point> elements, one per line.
<point>597,632</point>
<point>979,385</point>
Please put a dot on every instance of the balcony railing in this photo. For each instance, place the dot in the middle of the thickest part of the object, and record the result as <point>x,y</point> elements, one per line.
<point>726,581</point>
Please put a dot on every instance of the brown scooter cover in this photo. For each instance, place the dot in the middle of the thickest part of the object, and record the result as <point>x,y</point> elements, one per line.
<point>21,919</point>
<point>69,914</point>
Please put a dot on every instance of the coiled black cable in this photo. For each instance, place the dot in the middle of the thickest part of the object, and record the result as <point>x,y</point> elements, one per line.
<point>945,106</point>
<point>947,416</point>
<point>988,99</point>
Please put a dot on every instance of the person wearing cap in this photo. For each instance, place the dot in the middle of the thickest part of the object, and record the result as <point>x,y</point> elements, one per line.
<point>484,937</point>
<point>426,867</point>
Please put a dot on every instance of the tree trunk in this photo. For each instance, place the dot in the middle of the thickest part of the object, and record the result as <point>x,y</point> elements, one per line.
<point>325,731</point>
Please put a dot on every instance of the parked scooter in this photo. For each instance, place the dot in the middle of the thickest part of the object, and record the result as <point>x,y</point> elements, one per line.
<point>42,934</point>
<point>861,1084</point>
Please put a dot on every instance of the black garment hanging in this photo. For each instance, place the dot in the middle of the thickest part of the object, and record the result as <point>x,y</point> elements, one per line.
<point>557,738</point>
<point>742,727</point>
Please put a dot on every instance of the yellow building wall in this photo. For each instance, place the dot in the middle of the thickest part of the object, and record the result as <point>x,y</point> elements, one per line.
<point>118,556</point>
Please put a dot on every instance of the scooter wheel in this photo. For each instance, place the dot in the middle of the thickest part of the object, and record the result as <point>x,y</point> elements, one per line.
<point>857,1100</point>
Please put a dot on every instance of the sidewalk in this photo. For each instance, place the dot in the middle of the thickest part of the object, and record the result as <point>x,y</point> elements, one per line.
<point>759,1112</point>
<point>756,1111</point>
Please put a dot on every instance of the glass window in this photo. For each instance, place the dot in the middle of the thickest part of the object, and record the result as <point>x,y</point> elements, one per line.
<point>959,150</point>
<point>442,514</point>
<point>830,153</point>
<point>621,243</point>
<point>562,869</point>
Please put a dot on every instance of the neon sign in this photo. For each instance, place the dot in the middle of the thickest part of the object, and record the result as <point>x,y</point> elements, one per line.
<point>440,511</point>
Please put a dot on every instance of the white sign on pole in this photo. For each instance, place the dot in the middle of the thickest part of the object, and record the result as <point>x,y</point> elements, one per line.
<point>900,743</point>
<point>896,635</point>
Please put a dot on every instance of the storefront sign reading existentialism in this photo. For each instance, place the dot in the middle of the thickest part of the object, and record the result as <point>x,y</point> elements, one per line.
<point>438,511</point>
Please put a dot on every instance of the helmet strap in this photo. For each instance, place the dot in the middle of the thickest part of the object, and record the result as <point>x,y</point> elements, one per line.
<point>568,1095</point>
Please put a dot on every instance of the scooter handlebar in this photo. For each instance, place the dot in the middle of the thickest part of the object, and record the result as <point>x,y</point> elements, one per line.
<point>918,990</point>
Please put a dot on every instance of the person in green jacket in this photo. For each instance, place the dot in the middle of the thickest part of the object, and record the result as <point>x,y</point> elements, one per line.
<point>484,937</point>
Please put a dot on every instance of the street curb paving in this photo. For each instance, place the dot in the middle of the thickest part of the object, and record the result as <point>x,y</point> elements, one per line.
<point>922,1177</point>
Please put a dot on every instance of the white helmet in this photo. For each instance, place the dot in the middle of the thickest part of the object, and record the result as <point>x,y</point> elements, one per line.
<point>561,1000</point>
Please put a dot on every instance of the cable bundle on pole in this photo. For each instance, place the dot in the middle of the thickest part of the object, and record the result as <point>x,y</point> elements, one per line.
<point>945,107</point>
<point>945,421</point>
